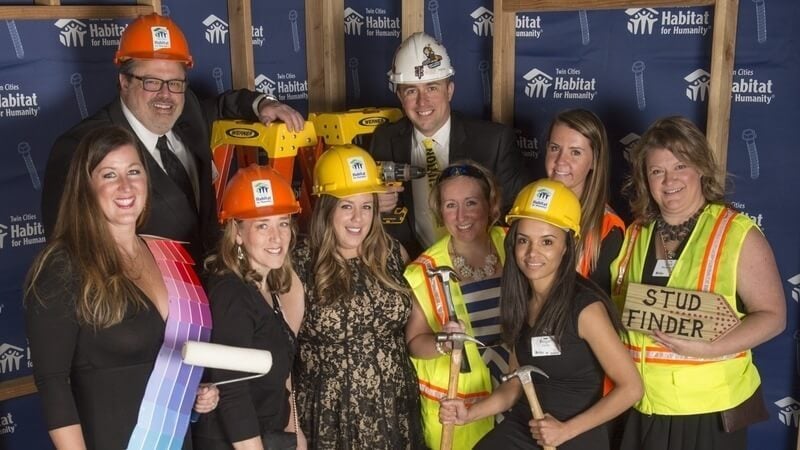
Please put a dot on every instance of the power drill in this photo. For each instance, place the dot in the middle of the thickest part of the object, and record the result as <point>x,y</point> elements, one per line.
<point>394,174</point>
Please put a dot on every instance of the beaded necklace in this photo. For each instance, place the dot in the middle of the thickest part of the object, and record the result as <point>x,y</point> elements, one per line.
<point>468,272</point>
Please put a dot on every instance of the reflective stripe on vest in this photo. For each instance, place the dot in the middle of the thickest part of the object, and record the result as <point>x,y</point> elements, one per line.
<point>436,393</point>
<point>657,354</point>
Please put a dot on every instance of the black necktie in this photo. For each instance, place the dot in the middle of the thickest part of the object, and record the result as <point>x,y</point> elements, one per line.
<point>174,168</point>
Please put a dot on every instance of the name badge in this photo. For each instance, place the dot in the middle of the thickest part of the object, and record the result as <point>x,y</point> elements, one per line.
<point>544,346</point>
<point>664,268</point>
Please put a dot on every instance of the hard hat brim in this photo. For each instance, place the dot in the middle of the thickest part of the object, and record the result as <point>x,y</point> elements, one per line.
<point>261,213</point>
<point>566,227</point>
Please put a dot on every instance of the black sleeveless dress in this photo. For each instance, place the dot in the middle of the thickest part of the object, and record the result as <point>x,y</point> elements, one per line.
<point>575,383</point>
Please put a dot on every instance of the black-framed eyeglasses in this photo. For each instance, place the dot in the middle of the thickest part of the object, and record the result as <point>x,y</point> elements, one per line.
<point>152,84</point>
<point>460,170</point>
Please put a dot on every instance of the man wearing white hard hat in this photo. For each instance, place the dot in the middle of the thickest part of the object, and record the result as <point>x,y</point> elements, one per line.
<point>432,136</point>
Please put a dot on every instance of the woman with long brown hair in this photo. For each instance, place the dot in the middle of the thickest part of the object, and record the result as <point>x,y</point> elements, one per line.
<point>356,386</point>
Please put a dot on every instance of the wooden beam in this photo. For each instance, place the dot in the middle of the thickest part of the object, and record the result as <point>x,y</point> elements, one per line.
<point>325,55</point>
<point>572,5</point>
<point>723,45</point>
<point>240,21</point>
<point>413,13</point>
<point>503,61</point>
<point>17,387</point>
<point>74,12</point>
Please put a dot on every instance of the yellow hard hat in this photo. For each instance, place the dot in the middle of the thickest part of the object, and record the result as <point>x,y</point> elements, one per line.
<point>345,170</point>
<point>548,201</point>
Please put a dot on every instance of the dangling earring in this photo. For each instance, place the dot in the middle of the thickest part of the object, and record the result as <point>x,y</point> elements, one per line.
<point>239,253</point>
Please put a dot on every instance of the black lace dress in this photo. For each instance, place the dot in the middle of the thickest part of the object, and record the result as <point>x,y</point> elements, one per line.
<point>356,387</point>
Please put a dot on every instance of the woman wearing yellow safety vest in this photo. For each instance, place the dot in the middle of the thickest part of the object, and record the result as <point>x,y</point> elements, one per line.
<point>686,237</point>
<point>356,385</point>
<point>577,155</point>
<point>465,199</point>
<point>562,324</point>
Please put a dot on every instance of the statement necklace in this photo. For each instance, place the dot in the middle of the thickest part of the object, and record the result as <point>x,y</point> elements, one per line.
<point>678,233</point>
<point>468,272</point>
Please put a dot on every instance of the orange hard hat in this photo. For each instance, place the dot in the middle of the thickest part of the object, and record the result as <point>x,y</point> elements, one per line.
<point>255,192</point>
<point>153,37</point>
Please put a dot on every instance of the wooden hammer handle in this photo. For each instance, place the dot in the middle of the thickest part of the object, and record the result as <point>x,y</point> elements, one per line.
<point>536,407</point>
<point>452,392</point>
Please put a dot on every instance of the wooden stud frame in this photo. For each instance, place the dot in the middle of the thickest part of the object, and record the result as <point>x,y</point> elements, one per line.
<point>723,46</point>
<point>52,9</point>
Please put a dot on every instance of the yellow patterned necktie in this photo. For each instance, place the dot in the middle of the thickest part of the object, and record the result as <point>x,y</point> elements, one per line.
<point>431,164</point>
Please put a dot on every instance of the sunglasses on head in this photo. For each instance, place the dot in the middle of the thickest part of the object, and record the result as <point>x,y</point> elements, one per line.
<point>460,170</point>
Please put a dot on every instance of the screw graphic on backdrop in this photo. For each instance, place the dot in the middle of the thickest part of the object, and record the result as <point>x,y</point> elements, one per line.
<point>216,72</point>
<point>789,411</point>
<point>352,63</point>
<point>584,26</point>
<point>295,33</point>
<point>483,68</point>
<point>638,76</point>
<point>3,234</point>
<point>164,10</point>
<point>749,137</point>
<point>433,7</point>
<point>761,21</point>
<point>24,149</point>
<point>795,282</point>
<point>75,80</point>
<point>12,30</point>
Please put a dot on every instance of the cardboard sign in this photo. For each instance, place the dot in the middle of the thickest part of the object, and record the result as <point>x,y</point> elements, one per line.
<point>687,314</point>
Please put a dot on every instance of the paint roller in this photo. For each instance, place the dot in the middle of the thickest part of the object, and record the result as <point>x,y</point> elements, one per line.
<point>226,357</point>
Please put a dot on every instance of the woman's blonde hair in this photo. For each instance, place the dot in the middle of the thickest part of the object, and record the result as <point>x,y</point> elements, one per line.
<point>332,277</point>
<point>82,232</point>
<point>226,260</point>
<point>596,187</point>
<point>479,173</point>
<point>682,137</point>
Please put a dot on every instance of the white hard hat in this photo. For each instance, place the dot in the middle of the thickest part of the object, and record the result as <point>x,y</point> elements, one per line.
<point>420,59</point>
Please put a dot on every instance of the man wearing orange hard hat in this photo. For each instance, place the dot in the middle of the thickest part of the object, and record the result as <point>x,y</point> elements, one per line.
<point>172,126</point>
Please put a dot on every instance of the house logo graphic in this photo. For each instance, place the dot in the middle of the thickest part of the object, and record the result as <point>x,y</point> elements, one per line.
<point>538,83</point>
<point>697,88</point>
<point>216,29</point>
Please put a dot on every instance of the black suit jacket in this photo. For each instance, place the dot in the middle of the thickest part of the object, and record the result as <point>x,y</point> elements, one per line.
<point>171,214</point>
<point>491,144</point>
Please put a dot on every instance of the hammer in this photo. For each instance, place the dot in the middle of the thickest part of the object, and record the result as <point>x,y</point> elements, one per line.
<point>446,273</point>
<point>457,339</point>
<point>524,375</point>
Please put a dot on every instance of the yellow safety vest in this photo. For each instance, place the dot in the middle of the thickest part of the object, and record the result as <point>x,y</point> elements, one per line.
<point>677,384</point>
<point>433,373</point>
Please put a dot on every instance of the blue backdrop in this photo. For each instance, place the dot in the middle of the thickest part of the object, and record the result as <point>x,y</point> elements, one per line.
<point>629,66</point>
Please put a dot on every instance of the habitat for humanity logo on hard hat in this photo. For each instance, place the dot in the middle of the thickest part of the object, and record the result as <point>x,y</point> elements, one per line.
<point>262,193</point>
<point>161,38</point>
<point>358,169</point>
<point>542,197</point>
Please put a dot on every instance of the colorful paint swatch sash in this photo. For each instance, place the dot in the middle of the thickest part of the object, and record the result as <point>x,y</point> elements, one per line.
<point>170,393</point>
